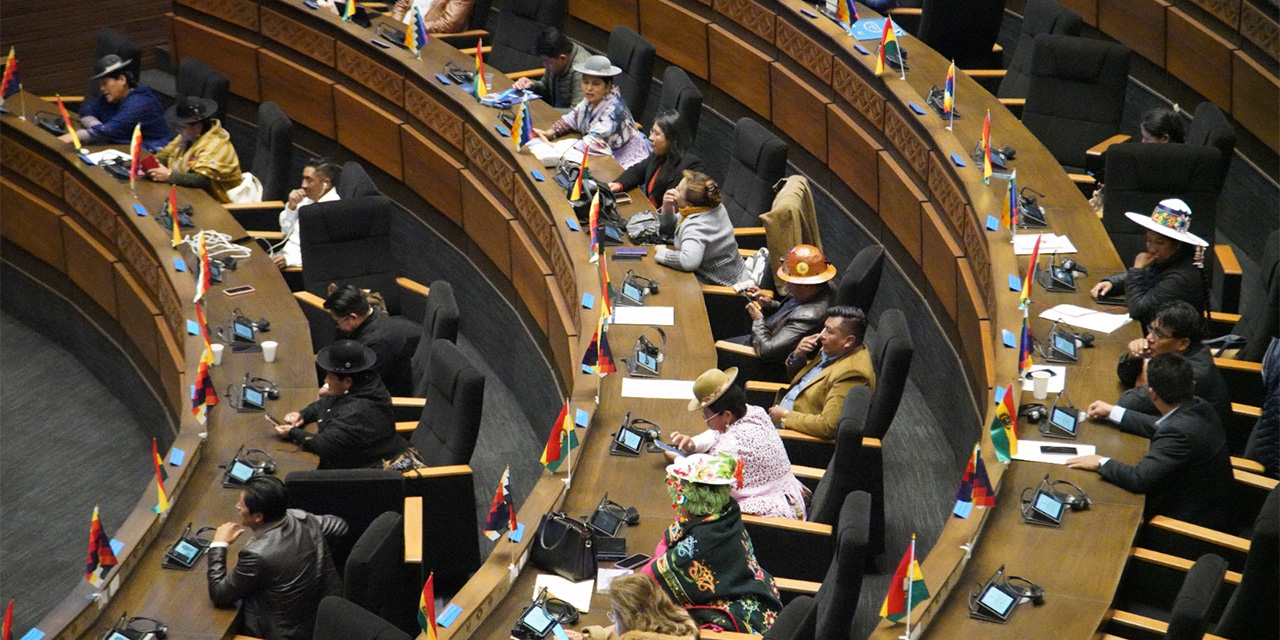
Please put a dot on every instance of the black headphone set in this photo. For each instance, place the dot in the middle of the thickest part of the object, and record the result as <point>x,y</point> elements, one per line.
<point>1074,497</point>
<point>246,465</point>
<point>1000,157</point>
<point>261,324</point>
<point>1033,412</point>
<point>252,394</point>
<point>263,385</point>
<point>457,74</point>
<point>130,629</point>
<point>646,356</point>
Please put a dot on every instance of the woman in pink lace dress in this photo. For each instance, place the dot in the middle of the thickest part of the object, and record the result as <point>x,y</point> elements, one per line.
<point>734,427</point>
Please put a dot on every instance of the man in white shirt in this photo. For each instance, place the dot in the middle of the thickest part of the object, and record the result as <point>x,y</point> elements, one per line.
<point>318,179</point>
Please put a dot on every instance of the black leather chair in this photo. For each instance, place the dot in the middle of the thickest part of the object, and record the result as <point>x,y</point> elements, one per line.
<point>828,615</point>
<point>1076,95</point>
<point>439,322</point>
<point>758,162</point>
<point>273,151</point>
<point>776,542</point>
<point>634,55</point>
<point>861,279</point>
<point>1258,590</point>
<point>1189,618</point>
<point>357,495</point>
<point>1138,176</point>
<point>962,30</point>
<point>1039,17</point>
<point>376,577</point>
<point>1211,128</point>
<point>519,24</point>
<point>354,182</point>
<point>1262,324</point>
<point>679,94</point>
<point>195,78</point>
<point>338,619</point>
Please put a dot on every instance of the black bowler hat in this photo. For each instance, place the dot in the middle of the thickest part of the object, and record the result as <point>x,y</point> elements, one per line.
<point>109,64</point>
<point>190,109</point>
<point>346,356</point>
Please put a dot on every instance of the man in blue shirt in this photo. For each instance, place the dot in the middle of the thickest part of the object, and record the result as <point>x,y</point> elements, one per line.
<point>124,103</point>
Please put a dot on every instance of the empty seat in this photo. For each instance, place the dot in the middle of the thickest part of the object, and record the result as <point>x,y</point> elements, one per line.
<point>634,55</point>
<point>962,30</point>
<point>1211,128</point>
<point>338,619</point>
<point>1039,17</point>
<point>195,78</point>
<point>376,577</point>
<point>679,94</point>
<point>758,162</point>
<point>519,23</point>
<point>861,279</point>
<point>273,151</point>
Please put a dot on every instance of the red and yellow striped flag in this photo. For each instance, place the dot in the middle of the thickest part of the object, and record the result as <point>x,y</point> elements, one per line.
<point>173,213</point>
<point>71,128</point>
<point>135,153</point>
<point>986,149</point>
<point>427,608</point>
<point>162,502</point>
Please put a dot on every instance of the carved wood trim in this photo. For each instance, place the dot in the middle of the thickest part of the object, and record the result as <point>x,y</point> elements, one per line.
<point>539,223</point>
<point>974,242</point>
<point>801,48</point>
<point>1228,11</point>
<point>372,75</point>
<point>750,15</point>
<point>854,89</point>
<point>490,163</point>
<point>171,309</point>
<point>32,166</point>
<point>242,13</point>
<point>912,147</point>
<point>422,106</point>
<point>298,37</point>
<point>140,261</point>
<point>91,208</point>
<point>1259,29</point>
<point>949,198</point>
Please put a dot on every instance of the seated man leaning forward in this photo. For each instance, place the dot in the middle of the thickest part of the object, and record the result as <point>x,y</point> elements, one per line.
<point>319,180</point>
<point>1186,473</point>
<point>392,339</point>
<point>285,569</point>
<point>824,367</point>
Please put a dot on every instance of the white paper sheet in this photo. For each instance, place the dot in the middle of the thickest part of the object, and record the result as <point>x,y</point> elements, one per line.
<point>662,316</point>
<point>1029,450</point>
<point>108,154</point>
<point>577,594</point>
<point>605,576</point>
<point>1050,243</point>
<point>1056,382</point>
<point>1087,319</point>
<point>662,389</point>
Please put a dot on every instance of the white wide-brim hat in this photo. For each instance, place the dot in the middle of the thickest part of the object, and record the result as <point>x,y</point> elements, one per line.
<point>1171,218</point>
<point>597,66</point>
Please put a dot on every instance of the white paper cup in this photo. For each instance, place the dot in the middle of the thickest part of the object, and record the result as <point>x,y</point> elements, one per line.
<point>217,353</point>
<point>269,350</point>
<point>1040,383</point>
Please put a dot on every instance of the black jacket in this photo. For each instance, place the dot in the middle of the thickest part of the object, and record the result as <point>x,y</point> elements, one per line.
<point>394,340</point>
<point>353,431</point>
<point>776,336</point>
<point>1264,441</point>
<point>669,175</point>
<point>281,575</point>
<point>1210,386</point>
<point>1148,290</point>
<point>1186,473</point>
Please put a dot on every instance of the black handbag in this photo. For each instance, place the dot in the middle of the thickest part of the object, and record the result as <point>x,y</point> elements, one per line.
<point>565,547</point>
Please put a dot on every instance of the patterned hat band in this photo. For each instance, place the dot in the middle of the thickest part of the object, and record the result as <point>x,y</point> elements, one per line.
<point>1169,218</point>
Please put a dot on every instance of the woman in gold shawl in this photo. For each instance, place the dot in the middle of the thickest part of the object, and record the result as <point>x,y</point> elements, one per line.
<point>201,156</point>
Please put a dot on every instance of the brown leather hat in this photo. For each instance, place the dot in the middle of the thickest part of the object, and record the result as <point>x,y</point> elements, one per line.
<point>805,264</point>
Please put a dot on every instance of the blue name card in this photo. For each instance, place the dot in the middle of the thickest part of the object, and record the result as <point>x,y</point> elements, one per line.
<point>449,614</point>
<point>993,223</point>
<point>581,418</point>
<point>1009,339</point>
<point>179,264</point>
<point>1015,283</point>
<point>573,224</point>
<point>588,301</point>
<point>177,456</point>
<point>537,175</point>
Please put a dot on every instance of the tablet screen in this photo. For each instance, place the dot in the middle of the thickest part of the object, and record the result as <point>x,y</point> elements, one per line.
<point>630,439</point>
<point>1064,419</point>
<point>116,635</point>
<point>1064,345</point>
<point>537,620</point>
<point>253,396</point>
<point>243,330</point>
<point>997,600</point>
<point>1048,505</point>
<point>185,551</point>
<point>241,471</point>
<point>605,521</point>
<point>631,291</point>
<point>646,360</point>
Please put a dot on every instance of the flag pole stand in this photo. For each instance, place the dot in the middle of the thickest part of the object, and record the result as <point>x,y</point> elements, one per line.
<point>907,584</point>
<point>23,117</point>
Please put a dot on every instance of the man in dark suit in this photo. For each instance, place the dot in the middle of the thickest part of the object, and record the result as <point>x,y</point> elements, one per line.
<point>824,367</point>
<point>286,568</point>
<point>392,339</point>
<point>1186,473</point>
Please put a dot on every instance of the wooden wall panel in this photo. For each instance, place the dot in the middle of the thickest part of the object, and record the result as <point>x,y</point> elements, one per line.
<point>751,15</point>
<point>305,96</point>
<point>172,371</point>
<point>1088,10</point>
<point>137,315</point>
<point>1256,96</point>
<point>31,223</point>
<point>561,334</point>
<point>529,274</point>
<point>805,118</point>
<point>384,81</point>
<point>486,222</point>
<point>1260,29</point>
<point>1139,24</point>
<point>230,56</point>
<point>900,204</point>
<point>740,70</point>
<point>367,130</point>
<point>974,325</point>
<point>608,14</point>
<point>89,265</point>
<point>297,36</point>
<point>432,173</point>
<point>852,155</point>
<point>939,252</point>
<point>1200,58</point>
<point>679,35</point>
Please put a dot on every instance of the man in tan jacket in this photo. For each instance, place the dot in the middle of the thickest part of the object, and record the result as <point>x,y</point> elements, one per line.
<point>824,367</point>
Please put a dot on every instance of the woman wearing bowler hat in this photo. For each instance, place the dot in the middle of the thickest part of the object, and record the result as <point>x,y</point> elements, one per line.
<point>1168,270</point>
<point>124,104</point>
<point>602,117</point>
<point>354,424</point>
<point>201,156</point>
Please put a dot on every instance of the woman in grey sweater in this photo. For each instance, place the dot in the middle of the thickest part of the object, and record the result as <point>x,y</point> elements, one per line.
<point>704,241</point>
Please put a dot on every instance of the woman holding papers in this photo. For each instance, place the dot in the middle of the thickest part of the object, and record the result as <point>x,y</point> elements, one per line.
<point>640,611</point>
<point>1170,269</point>
<point>671,157</point>
<point>704,242</point>
<point>602,117</point>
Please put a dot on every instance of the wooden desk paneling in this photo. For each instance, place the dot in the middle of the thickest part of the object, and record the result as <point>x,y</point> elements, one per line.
<point>740,70</point>
<point>31,223</point>
<point>171,369</point>
<point>971,316</point>
<point>1139,24</point>
<point>1088,10</point>
<point>486,222</point>
<point>1226,11</point>
<point>607,15</point>
<point>852,154</point>
<point>30,165</point>
<point>940,252</point>
<point>432,173</point>
<point>1251,87</point>
<point>92,209</point>
<point>423,106</point>
<point>679,35</point>
<point>243,13</point>
<point>529,273</point>
<point>137,315</point>
<point>230,56</point>
<point>367,130</point>
<point>810,56</point>
<point>297,36</point>
<point>1200,58</point>
<point>860,95</point>
<point>562,336</point>
<point>305,95</point>
<point>805,118</point>
<point>373,75</point>
<point>900,204</point>
<point>750,15</point>
<point>89,265</point>
<point>1258,28</point>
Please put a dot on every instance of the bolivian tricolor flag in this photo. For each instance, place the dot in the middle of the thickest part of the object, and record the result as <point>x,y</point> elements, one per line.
<point>173,213</point>
<point>906,588</point>
<point>350,11</point>
<point>887,39</point>
<point>479,90</point>
<point>1004,427</point>
<point>66,119</point>
<point>576,194</point>
<point>986,149</point>
<point>427,608</point>
<point>135,153</point>
<point>162,502</point>
<point>561,441</point>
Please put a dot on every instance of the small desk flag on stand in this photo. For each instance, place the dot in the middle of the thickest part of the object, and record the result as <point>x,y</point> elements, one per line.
<point>415,35</point>
<point>478,88</point>
<point>6,631</point>
<point>986,149</point>
<point>576,194</point>
<point>561,441</point>
<point>975,484</point>
<point>906,588</point>
<point>162,498</point>
<point>1004,427</point>
<point>523,126</point>
<point>173,213</point>
<point>889,39</point>
<point>502,513</point>
<point>593,224</point>
<point>846,14</point>
<point>71,128</point>
<point>9,82</point>
<point>949,95</point>
<point>349,11</point>
<point>101,557</point>
<point>1031,274</point>
<point>1009,217</point>
<point>427,608</point>
<point>135,154</point>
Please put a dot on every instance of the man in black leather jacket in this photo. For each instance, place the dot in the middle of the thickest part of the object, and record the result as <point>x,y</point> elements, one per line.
<point>285,569</point>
